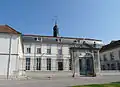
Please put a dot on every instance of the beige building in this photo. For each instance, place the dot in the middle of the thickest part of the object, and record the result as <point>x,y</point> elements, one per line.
<point>110,58</point>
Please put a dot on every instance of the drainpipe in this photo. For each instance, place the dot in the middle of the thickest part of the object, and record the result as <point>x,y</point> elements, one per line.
<point>8,65</point>
<point>73,62</point>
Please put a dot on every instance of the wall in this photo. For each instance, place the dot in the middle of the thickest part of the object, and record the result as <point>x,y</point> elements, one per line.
<point>16,52</point>
<point>53,55</point>
<point>109,61</point>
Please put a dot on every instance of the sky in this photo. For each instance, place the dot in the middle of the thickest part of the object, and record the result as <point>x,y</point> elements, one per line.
<point>97,19</point>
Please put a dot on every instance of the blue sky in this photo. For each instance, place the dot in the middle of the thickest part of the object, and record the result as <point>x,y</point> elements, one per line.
<point>99,19</point>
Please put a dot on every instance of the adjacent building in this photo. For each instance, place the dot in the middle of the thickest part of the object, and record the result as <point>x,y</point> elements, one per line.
<point>11,51</point>
<point>110,58</point>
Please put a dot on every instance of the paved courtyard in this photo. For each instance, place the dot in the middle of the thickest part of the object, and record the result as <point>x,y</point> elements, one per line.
<point>58,82</point>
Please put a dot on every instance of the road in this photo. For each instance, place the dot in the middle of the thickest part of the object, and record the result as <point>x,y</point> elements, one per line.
<point>58,82</point>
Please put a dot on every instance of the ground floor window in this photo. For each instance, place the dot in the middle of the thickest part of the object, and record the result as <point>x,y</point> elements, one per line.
<point>27,63</point>
<point>60,65</point>
<point>103,67</point>
<point>38,63</point>
<point>108,66</point>
<point>48,63</point>
<point>113,67</point>
<point>118,64</point>
<point>70,64</point>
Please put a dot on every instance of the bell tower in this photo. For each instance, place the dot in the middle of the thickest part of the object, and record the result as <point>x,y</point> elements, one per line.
<point>55,30</point>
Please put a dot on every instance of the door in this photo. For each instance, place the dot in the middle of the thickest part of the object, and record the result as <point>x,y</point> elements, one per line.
<point>86,66</point>
<point>60,65</point>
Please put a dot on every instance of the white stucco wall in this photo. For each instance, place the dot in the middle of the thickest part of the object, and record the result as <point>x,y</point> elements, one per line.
<point>16,53</point>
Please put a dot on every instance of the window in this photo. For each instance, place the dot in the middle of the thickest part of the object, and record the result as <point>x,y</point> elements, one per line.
<point>48,63</point>
<point>49,49</point>
<point>28,50</point>
<point>60,64</point>
<point>38,50</point>
<point>59,51</point>
<point>108,66</point>
<point>104,57</point>
<point>27,63</point>
<point>38,63</point>
<point>118,64</point>
<point>119,54</point>
<point>113,67</point>
<point>111,56</point>
<point>70,64</point>
<point>103,67</point>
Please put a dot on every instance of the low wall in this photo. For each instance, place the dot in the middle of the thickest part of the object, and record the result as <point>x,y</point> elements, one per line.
<point>49,73</point>
<point>110,72</point>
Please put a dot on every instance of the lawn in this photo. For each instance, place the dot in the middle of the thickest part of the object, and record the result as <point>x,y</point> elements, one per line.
<point>100,85</point>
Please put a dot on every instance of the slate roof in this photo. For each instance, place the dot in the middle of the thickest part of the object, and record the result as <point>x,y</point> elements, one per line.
<point>112,45</point>
<point>61,37</point>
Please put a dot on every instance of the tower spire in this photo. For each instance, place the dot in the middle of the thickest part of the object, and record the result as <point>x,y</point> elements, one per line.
<point>55,29</point>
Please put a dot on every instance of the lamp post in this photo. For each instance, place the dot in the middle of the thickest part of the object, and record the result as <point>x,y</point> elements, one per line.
<point>73,59</point>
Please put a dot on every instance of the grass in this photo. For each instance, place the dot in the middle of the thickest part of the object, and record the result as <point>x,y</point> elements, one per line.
<point>114,84</point>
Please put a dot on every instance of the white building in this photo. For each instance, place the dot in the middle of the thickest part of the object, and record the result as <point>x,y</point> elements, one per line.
<point>11,50</point>
<point>51,55</point>
<point>36,55</point>
<point>110,58</point>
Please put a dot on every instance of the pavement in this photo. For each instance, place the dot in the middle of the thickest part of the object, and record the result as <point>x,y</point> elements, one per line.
<point>59,82</point>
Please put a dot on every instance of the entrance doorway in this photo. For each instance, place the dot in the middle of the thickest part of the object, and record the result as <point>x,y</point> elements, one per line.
<point>86,66</point>
<point>60,65</point>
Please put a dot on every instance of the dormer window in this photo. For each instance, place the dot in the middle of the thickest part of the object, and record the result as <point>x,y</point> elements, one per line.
<point>37,39</point>
<point>58,40</point>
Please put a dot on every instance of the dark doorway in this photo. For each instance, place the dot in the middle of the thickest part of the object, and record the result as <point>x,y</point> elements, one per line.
<point>86,67</point>
<point>60,65</point>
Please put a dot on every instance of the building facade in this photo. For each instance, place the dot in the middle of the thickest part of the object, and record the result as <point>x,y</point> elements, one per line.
<point>49,55</point>
<point>11,51</point>
<point>37,55</point>
<point>110,58</point>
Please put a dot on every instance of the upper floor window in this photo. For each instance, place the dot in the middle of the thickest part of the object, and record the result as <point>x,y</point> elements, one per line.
<point>29,50</point>
<point>38,50</point>
<point>59,50</point>
<point>48,49</point>
<point>119,54</point>
<point>111,56</point>
<point>104,57</point>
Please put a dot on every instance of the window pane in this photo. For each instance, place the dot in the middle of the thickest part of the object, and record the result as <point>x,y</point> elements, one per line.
<point>119,54</point>
<point>38,63</point>
<point>38,50</point>
<point>59,51</point>
<point>70,64</point>
<point>48,51</point>
<point>48,64</point>
<point>111,56</point>
<point>27,63</point>
<point>113,67</point>
<point>28,50</point>
<point>104,57</point>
